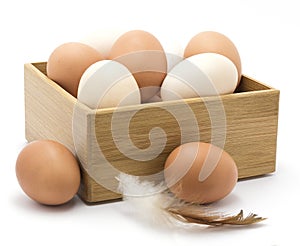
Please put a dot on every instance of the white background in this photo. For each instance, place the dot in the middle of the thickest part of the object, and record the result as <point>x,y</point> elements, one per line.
<point>266,34</point>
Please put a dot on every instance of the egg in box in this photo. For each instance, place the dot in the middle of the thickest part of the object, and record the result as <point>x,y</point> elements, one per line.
<point>114,127</point>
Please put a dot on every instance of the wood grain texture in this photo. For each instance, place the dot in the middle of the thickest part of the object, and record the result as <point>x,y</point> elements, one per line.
<point>46,106</point>
<point>107,140</point>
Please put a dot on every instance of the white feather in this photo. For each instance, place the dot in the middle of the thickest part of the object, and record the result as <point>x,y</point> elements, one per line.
<point>148,200</point>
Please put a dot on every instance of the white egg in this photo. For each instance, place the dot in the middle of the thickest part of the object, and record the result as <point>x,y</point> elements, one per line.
<point>108,84</point>
<point>102,39</point>
<point>220,69</point>
<point>206,74</point>
<point>185,80</point>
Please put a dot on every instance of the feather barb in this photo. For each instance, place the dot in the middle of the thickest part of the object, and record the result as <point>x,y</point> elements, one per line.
<point>185,214</point>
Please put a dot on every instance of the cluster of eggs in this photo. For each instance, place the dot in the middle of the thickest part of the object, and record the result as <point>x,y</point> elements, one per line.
<point>136,69</point>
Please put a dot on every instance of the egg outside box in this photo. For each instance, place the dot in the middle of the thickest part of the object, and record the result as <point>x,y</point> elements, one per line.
<point>251,129</point>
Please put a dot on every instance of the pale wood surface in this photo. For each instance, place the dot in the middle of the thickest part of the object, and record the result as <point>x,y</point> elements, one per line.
<point>251,129</point>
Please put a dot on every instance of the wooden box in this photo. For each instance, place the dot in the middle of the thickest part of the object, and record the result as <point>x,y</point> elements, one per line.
<point>96,136</point>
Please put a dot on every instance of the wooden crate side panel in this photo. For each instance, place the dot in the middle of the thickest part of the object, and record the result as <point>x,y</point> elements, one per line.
<point>48,113</point>
<point>252,132</point>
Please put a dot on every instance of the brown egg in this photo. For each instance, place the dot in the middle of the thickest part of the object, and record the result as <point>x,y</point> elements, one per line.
<point>48,172</point>
<point>68,62</point>
<point>200,172</point>
<point>145,58</point>
<point>214,42</point>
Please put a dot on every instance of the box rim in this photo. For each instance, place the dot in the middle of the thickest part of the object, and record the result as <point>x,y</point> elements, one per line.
<point>75,101</point>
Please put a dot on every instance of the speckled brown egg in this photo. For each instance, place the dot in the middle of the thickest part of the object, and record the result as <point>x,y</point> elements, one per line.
<point>214,42</point>
<point>48,172</point>
<point>200,172</point>
<point>68,62</point>
<point>144,56</point>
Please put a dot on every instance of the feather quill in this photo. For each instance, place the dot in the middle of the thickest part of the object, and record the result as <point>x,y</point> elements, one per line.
<point>154,203</point>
